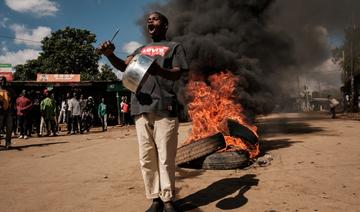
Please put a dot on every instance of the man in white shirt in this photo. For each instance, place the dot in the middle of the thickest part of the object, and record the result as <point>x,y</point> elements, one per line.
<point>74,107</point>
<point>62,114</point>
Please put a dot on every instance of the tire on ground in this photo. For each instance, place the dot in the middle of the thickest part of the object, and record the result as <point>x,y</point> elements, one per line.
<point>200,148</point>
<point>240,131</point>
<point>223,161</point>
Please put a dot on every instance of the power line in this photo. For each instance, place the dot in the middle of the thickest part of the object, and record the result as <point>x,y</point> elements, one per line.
<point>14,38</point>
<point>22,39</point>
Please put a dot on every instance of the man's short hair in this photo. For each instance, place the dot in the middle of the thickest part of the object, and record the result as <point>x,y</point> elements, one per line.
<point>162,17</point>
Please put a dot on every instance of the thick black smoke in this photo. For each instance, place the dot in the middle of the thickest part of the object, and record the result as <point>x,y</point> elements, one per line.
<point>267,42</point>
<point>311,24</point>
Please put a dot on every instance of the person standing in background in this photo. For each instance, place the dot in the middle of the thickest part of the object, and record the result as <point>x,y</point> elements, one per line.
<point>36,112</point>
<point>68,114</point>
<point>6,110</point>
<point>82,121</point>
<point>48,112</point>
<point>62,113</point>
<point>332,103</point>
<point>124,112</point>
<point>122,121</point>
<point>74,107</point>
<point>23,107</point>
<point>102,113</point>
<point>89,113</point>
<point>31,114</point>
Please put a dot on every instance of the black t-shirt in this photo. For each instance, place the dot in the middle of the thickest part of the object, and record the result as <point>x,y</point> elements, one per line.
<point>158,95</point>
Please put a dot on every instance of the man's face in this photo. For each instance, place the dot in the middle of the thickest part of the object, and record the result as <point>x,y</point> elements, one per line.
<point>155,26</point>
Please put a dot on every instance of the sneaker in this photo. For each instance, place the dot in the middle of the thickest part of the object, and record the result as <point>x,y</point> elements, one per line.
<point>156,206</point>
<point>25,137</point>
<point>20,137</point>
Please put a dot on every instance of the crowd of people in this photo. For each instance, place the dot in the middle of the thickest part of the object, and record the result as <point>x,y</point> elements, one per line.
<point>154,109</point>
<point>44,114</point>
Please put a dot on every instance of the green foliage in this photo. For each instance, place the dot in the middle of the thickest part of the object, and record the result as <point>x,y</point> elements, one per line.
<point>348,55</point>
<point>107,73</point>
<point>69,51</point>
<point>27,71</point>
<point>66,51</point>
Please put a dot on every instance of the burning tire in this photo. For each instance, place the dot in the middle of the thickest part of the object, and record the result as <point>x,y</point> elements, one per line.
<point>200,148</point>
<point>223,161</point>
<point>236,129</point>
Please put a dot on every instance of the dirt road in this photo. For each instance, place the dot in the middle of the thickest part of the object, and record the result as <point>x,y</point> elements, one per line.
<point>315,167</point>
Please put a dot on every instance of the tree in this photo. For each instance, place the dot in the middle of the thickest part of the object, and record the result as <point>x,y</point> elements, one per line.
<point>70,51</point>
<point>348,56</point>
<point>107,73</point>
<point>66,51</point>
<point>28,70</point>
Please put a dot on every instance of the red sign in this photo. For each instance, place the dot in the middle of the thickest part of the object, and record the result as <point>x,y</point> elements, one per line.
<point>154,50</point>
<point>58,78</point>
<point>8,75</point>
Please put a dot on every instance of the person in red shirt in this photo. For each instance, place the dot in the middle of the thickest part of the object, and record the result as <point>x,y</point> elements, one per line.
<point>124,111</point>
<point>23,107</point>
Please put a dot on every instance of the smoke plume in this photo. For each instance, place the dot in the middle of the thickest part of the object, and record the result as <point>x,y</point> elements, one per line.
<point>268,43</point>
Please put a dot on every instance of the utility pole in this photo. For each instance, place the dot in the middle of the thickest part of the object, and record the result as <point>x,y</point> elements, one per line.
<point>118,107</point>
<point>352,68</point>
<point>306,91</point>
<point>299,92</point>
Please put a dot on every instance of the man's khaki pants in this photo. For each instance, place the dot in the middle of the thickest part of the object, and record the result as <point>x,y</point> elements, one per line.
<point>157,137</point>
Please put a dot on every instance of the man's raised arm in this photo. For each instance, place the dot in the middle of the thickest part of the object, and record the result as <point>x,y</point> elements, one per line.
<point>107,48</point>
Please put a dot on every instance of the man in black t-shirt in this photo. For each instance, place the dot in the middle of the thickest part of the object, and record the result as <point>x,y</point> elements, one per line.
<point>155,111</point>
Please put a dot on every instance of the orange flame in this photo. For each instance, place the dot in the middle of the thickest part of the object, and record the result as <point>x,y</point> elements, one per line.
<point>212,105</point>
